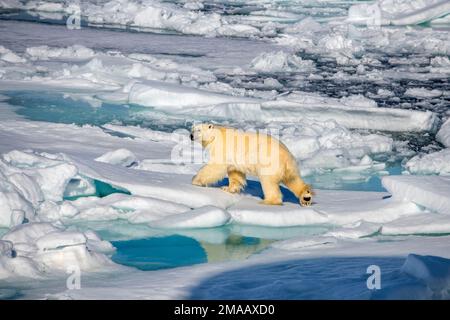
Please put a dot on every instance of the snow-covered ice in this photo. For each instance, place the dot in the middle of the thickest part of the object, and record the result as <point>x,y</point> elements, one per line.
<point>122,156</point>
<point>178,89</point>
<point>96,161</point>
<point>399,12</point>
<point>432,163</point>
<point>443,134</point>
<point>41,248</point>
<point>428,191</point>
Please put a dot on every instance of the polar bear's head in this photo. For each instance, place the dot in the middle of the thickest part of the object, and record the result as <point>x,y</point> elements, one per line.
<point>204,133</point>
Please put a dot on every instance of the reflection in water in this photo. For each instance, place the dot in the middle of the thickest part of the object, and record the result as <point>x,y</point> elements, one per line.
<point>236,247</point>
<point>176,251</point>
<point>158,253</point>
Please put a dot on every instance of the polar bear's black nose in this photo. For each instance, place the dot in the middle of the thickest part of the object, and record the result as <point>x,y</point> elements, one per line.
<point>192,136</point>
<point>307,198</point>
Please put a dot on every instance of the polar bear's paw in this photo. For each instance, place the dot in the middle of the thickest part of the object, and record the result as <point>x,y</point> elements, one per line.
<point>197,181</point>
<point>232,189</point>
<point>306,198</point>
<point>228,189</point>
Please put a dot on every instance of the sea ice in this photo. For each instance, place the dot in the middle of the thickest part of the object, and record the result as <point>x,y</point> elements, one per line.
<point>434,271</point>
<point>432,163</point>
<point>428,191</point>
<point>398,12</point>
<point>70,52</point>
<point>281,62</point>
<point>133,208</point>
<point>41,248</point>
<point>423,93</point>
<point>351,113</point>
<point>330,207</point>
<point>203,217</point>
<point>121,157</point>
<point>167,95</point>
<point>427,223</point>
<point>443,134</point>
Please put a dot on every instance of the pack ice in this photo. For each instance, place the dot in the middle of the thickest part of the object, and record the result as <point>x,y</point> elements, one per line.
<point>181,89</point>
<point>399,12</point>
<point>51,174</point>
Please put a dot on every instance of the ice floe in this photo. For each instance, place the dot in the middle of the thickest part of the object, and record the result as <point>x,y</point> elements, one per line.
<point>428,191</point>
<point>9,56</point>
<point>423,93</point>
<point>39,249</point>
<point>71,53</point>
<point>350,113</point>
<point>434,271</point>
<point>246,212</point>
<point>52,173</point>
<point>281,62</point>
<point>181,89</point>
<point>143,14</point>
<point>398,12</point>
<point>432,163</point>
<point>203,217</point>
<point>122,156</point>
<point>331,207</point>
<point>166,95</point>
<point>443,134</point>
<point>428,223</point>
<point>135,209</point>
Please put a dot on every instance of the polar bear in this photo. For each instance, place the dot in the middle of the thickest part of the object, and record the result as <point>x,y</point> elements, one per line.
<point>238,153</point>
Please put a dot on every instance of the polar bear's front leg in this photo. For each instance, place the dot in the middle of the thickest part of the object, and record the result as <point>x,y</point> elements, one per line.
<point>209,174</point>
<point>300,189</point>
<point>236,181</point>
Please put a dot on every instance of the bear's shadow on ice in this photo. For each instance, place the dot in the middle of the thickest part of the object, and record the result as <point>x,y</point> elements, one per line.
<point>316,278</point>
<point>253,188</point>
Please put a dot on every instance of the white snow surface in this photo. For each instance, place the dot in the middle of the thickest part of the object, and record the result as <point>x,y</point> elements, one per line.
<point>432,163</point>
<point>428,191</point>
<point>398,12</point>
<point>41,249</point>
<point>121,156</point>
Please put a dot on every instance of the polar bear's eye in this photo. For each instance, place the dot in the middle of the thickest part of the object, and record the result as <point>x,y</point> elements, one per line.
<point>210,126</point>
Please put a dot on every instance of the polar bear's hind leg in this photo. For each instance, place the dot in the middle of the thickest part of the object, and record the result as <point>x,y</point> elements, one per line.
<point>271,190</point>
